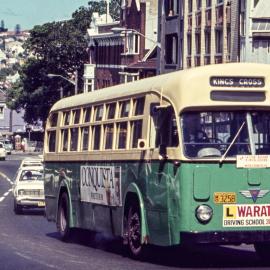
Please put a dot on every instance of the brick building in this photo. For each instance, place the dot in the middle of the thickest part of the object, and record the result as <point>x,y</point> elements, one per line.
<point>118,50</point>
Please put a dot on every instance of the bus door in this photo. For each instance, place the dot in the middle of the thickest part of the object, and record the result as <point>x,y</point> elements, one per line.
<point>161,178</point>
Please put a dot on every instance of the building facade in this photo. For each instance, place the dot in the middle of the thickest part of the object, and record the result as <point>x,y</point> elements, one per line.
<point>255,31</point>
<point>197,33</point>
<point>118,49</point>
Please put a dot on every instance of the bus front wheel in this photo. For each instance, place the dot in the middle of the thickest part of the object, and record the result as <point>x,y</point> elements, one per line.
<point>63,217</point>
<point>133,232</point>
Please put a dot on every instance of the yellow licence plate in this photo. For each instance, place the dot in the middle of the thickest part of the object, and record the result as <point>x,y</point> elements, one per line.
<point>224,197</point>
<point>40,204</point>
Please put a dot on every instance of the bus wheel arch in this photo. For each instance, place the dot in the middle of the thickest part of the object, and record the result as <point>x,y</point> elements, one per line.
<point>63,215</point>
<point>134,225</point>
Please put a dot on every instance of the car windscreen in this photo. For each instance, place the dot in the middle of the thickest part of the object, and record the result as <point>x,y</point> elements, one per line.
<point>31,175</point>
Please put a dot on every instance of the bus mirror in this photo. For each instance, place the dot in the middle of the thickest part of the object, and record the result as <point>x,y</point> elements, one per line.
<point>156,108</point>
<point>141,144</point>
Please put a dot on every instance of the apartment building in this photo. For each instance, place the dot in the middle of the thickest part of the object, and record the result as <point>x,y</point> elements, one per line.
<point>197,32</point>
<point>255,31</point>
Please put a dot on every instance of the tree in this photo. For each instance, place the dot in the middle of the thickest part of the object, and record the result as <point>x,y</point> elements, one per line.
<point>57,48</point>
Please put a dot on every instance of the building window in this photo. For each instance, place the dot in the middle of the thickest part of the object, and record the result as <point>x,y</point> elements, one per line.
<point>228,40</point>
<point>171,49</point>
<point>198,43</point>
<point>208,17</point>
<point>242,23</point>
<point>199,4</point>
<point>133,43</point>
<point>219,41</point>
<point>190,8</point>
<point>189,44</point>
<point>171,7</point>
<point>207,42</point>
<point>88,85</point>
<point>208,3</point>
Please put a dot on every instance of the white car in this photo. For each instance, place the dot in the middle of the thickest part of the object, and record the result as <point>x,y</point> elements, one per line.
<point>28,188</point>
<point>3,152</point>
<point>33,162</point>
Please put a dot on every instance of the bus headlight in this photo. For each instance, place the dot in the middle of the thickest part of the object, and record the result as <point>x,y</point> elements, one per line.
<point>204,213</point>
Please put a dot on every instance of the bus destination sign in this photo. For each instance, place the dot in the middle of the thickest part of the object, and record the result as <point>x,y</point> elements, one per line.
<point>250,82</point>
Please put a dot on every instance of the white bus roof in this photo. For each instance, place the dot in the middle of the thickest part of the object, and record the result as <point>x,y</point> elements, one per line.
<point>185,88</point>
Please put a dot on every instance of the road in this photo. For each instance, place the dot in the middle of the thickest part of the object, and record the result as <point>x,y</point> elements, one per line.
<point>28,241</point>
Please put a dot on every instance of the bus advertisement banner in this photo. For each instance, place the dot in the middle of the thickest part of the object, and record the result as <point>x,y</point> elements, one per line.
<point>101,185</point>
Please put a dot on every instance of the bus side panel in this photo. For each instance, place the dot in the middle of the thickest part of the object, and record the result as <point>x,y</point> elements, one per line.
<point>157,201</point>
<point>51,179</point>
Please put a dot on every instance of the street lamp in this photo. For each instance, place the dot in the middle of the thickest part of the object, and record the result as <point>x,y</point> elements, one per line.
<point>74,82</point>
<point>126,30</point>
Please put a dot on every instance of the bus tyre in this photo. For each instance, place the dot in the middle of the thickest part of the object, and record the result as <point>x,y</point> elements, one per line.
<point>262,249</point>
<point>63,217</point>
<point>136,249</point>
<point>17,208</point>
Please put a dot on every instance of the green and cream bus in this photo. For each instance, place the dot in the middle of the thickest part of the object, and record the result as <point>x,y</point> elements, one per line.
<point>173,159</point>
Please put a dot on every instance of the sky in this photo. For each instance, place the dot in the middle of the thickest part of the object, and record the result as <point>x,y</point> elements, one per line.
<point>28,13</point>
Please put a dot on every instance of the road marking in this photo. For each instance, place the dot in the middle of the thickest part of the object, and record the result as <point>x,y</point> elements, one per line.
<point>36,261</point>
<point>6,178</point>
<point>5,195</point>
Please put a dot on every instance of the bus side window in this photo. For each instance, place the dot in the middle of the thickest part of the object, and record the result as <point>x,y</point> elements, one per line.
<point>166,128</point>
<point>51,140</point>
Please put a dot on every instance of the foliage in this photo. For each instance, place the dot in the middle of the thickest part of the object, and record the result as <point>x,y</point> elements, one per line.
<point>56,48</point>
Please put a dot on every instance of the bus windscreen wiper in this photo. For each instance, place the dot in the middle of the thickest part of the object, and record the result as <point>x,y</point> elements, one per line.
<point>232,142</point>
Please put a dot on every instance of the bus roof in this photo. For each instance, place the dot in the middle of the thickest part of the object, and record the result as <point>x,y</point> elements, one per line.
<point>184,88</point>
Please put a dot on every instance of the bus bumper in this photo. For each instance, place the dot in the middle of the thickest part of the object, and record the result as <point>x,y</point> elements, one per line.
<point>221,237</point>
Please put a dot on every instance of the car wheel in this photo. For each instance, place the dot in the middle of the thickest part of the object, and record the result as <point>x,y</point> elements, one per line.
<point>63,217</point>
<point>17,208</point>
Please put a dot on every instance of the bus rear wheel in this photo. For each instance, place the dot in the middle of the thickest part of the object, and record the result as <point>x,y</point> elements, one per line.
<point>63,226</point>
<point>133,232</point>
<point>262,249</point>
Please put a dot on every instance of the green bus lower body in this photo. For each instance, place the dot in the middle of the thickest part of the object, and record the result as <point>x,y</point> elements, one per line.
<point>169,194</point>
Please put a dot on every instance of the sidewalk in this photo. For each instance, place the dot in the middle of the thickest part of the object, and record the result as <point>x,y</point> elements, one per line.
<point>20,152</point>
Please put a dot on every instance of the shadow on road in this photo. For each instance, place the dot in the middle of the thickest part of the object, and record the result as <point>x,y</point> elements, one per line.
<point>207,256</point>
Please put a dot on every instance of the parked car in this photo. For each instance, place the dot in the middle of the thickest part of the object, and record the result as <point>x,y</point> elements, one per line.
<point>28,188</point>
<point>7,145</point>
<point>3,152</point>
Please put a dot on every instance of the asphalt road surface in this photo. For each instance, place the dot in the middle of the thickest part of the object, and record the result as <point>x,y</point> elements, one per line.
<point>29,241</point>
